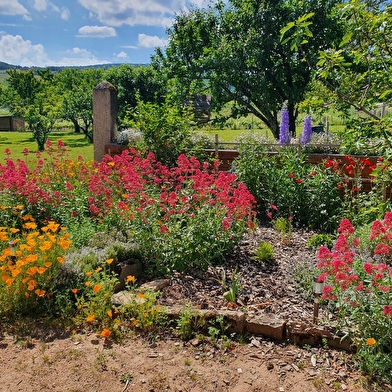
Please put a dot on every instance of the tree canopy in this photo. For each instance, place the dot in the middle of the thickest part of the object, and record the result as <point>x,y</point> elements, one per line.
<point>233,50</point>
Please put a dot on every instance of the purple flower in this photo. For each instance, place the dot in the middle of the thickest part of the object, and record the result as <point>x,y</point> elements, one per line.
<point>306,135</point>
<point>284,129</point>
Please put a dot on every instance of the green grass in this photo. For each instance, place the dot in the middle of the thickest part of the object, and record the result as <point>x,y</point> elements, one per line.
<point>76,144</point>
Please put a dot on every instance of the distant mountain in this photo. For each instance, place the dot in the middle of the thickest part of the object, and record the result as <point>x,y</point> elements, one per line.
<point>5,66</point>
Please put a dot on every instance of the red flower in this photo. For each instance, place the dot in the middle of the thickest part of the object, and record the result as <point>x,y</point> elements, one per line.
<point>387,310</point>
<point>163,229</point>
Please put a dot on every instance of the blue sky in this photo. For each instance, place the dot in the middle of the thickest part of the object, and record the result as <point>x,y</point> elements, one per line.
<point>84,32</point>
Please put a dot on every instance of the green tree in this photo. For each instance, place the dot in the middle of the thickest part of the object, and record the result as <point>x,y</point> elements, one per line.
<point>356,71</point>
<point>135,83</point>
<point>233,50</point>
<point>75,87</point>
<point>33,97</point>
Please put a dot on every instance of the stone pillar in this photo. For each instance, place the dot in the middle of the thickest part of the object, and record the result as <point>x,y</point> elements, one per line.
<point>105,117</point>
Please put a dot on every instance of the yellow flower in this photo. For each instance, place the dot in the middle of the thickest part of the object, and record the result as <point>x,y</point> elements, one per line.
<point>88,283</point>
<point>109,261</point>
<point>89,273</point>
<point>111,163</point>
<point>371,341</point>
<point>98,269</point>
<point>13,230</point>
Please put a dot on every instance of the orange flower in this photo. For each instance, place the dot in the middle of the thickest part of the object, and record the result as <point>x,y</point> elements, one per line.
<point>89,273</point>
<point>110,313</point>
<point>105,333</point>
<point>88,283</point>
<point>30,225</point>
<point>61,259</point>
<point>90,318</point>
<point>371,341</point>
<point>74,290</point>
<point>141,295</point>
<point>98,269</point>
<point>97,287</point>
<point>109,261</point>
<point>39,292</point>
<point>13,230</point>
<point>130,278</point>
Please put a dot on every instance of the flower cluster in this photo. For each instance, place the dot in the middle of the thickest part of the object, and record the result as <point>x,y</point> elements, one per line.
<point>188,214</point>
<point>360,282</point>
<point>306,135</point>
<point>30,260</point>
<point>284,128</point>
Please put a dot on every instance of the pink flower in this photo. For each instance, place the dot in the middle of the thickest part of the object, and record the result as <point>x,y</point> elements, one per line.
<point>346,227</point>
<point>382,249</point>
<point>226,224</point>
<point>163,229</point>
<point>387,310</point>
<point>368,268</point>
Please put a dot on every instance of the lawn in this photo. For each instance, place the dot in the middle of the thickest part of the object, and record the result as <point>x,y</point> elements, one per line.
<point>76,144</point>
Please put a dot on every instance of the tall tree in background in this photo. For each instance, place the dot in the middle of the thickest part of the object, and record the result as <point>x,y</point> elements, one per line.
<point>136,83</point>
<point>33,97</point>
<point>75,90</point>
<point>233,50</point>
<point>357,71</point>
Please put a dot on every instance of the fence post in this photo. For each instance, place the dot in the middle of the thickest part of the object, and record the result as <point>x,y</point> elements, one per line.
<point>216,146</point>
<point>105,117</point>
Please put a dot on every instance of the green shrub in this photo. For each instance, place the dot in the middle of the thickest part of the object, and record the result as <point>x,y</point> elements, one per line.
<point>318,240</point>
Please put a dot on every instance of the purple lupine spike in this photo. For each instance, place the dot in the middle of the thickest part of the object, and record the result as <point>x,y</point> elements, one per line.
<point>284,129</point>
<point>306,135</point>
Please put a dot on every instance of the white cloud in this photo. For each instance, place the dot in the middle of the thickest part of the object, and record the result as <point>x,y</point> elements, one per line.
<point>136,12</point>
<point>150,41</point>
<point>65,14</point>
<point>40,5</point>
<point>13,7</point>
<point>15,50</point>
<point>96,32</point>
<point>122,55</point>
<point>78,56</point>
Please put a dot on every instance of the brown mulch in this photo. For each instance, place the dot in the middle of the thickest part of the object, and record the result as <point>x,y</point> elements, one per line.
<point>268,287</point>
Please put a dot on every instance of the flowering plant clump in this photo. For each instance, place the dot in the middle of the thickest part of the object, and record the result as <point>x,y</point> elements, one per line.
<point>306,135</point>
<point>50,186</point>
<point>30,262</point>
<point>359,280</point>
<point>284,128</point>
<point>185,216</point>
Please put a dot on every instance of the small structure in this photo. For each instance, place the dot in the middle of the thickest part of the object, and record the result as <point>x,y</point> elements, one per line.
<point>202,107</point>
<point>9,123</point>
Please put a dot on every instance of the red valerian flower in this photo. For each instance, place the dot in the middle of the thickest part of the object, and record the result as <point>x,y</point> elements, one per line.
<point>387,310</point>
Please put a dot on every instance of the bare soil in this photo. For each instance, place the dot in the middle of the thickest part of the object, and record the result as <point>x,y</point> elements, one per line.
<point>36,358</point>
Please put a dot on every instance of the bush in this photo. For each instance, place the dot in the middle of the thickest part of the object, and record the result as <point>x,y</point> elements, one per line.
<point>307,194</point>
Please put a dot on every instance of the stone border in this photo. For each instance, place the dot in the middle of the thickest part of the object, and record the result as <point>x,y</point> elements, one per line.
<point>268,326</point>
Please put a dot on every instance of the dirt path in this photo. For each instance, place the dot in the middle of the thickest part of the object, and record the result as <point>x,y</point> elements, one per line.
<point>80,363</point>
